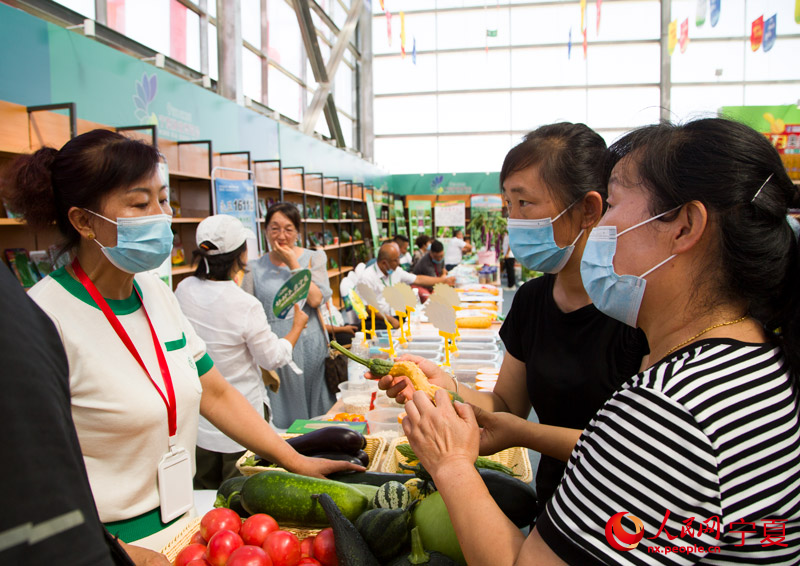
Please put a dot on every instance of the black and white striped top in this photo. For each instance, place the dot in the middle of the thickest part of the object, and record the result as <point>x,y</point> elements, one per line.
<point>711,431</point>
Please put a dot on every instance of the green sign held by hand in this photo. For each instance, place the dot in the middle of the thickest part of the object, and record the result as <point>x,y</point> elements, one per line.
<point>291,293</point>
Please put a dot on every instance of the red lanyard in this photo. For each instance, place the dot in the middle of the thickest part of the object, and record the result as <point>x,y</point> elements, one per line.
<point>172,413</point>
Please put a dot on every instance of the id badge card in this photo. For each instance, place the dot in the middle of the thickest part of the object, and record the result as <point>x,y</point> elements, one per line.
<point>175,484</point>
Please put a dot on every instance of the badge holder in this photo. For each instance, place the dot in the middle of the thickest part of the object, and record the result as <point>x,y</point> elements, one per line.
<point>175,482</point>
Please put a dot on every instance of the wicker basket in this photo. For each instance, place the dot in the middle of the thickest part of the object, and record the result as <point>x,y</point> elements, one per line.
<point>182,540</point>
<point>375,449</point>
<point>515,458</point>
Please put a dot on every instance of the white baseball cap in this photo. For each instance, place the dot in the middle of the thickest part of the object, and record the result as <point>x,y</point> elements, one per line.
<point>226,234</point>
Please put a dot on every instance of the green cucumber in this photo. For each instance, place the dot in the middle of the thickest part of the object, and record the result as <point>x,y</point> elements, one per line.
<point>369,491</point>
<point>229,495</point>
<point>287,498</point>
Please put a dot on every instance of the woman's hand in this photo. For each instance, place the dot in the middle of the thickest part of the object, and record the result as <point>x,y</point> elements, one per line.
<point>321,467</point>
<point>400,387</point>
<point>300,317</point>
<point>498,430</point>
<point>442,434</point>
<point>286,255</point>
<point>347,329</point>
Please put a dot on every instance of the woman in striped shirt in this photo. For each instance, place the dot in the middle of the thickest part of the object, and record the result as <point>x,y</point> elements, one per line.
<point>696,460</point>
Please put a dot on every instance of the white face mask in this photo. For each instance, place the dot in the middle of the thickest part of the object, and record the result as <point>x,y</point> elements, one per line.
<point>618,296</point>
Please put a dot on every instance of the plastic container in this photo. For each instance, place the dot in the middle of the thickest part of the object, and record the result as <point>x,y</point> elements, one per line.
<point>415,345</point>
<point>355,371</point>
<point>476,355</point>
<point>434,355</point>
<point>383,401</point>
<point>482,346</point>
<point>357,395</point>
<point>385,420</point>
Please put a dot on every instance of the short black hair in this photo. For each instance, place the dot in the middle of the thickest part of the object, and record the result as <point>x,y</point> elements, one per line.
<point>422,239</point>
<point>436,246</point>
<point>287,209</point>
<point>400,238</point>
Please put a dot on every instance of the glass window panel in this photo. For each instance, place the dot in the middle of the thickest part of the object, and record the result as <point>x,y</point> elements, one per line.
<point>407,155</point>
<point>731,19</point>
<point>547,66</point>
<point>83,7</point>
<point>213,60</point>
<point>458,154</point>
<point>285,42</point>
<point>768,95</point>
<point>147,21</point>
<point>211,6</point>
<point>474,70</point>
<point>780,63</point>
<point>251,21</point>
<point>536,25</point>
<point>474,112</point>
<point>193,40</point>
<point>407,5</point>
<point>285,95</point>
<point>347,130</point>
<point>640,19</point>
<point>468,28</point>
<point>395,74</point>
<point>251,74</point>
<point>703,59</point>
<point>688,102</point>
<point>624,64</point>
<point>623,107</point>
<point>532,109</point>
<point>421,26</point>
<point>343,93</point>
<point>322,123</point>
<point>404,114</point>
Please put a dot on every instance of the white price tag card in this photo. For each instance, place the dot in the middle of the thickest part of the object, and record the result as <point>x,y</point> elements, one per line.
<point>175,484</point>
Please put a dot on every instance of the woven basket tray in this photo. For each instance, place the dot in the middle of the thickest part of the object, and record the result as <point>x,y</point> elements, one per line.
<point>182,540</point>
<point>515,458</point>
<point>375,449</point>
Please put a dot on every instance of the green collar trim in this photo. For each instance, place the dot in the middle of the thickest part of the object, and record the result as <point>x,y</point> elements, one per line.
<point>74,288</point>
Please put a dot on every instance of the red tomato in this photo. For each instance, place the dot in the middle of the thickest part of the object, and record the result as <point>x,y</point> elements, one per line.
<point>198,538</point>
<point>307,547</point>
<point>325,549</point>
<point>221,546</point>
<point>256,528</point>
<point>189,553</point>
<point>249,555</point>
<point>219,519</point>
<point>308,561</point>
<point>198,562</point>
<point>283,548</point>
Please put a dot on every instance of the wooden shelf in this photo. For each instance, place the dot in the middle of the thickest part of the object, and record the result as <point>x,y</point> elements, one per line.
<point>183,269</point>
<point>346,268</point>
<point>334,272</point>
<point>12,222</point>
<point>267,187</point>
<point>312,220</point>
<point>187,220</point>
<point>189,176</point>
<point>355,243</point>
<point>295,191</point>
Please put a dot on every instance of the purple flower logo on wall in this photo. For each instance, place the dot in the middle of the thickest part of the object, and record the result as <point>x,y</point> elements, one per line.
<point>146,90</point>
<point>436,184</point>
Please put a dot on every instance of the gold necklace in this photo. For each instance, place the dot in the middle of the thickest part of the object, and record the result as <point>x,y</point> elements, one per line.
<point>709,329</point>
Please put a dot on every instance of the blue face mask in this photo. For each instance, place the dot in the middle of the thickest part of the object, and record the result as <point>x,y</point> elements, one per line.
<point>143,242</point>
<point>618,296</point>
<point>437,261</point>
<point>534,244</point>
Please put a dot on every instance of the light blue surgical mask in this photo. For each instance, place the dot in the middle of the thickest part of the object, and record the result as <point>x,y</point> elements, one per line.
<point>143,242</point>
<point>534,244</point>
<point>437,261</point>
<point>618,296</point>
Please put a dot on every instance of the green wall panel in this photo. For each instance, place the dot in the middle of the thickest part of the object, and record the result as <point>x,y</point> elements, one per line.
<point>24,58</point>
<point>446,184</point>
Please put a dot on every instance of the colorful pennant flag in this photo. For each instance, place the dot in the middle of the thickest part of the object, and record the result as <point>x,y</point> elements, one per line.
<point>414,50</point>
<point>684,41</point>
<point>700,16</point>
<point>389,27</point>
<point>757,33</point>
<point>600,3</point>
<point>797,11</point>
<point>402,35</point>
<point>770,32</point>
<point>673,36</point>
<point>585,45</point>
<point>715,8</point>
<point>569,42</point>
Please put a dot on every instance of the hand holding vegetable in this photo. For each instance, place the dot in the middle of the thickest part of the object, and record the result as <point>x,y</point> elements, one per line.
<point>377,367</point>
<point>443,436</point>
<point>498,430</point>
<point>401,387</point>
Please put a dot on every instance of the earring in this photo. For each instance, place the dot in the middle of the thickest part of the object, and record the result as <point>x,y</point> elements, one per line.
<point>90,235</point>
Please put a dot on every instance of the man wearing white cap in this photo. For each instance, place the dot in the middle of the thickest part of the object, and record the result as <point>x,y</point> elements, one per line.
<point>236,332</point>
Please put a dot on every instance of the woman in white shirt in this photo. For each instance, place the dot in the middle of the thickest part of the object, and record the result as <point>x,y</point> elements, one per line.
<point>237,335</point>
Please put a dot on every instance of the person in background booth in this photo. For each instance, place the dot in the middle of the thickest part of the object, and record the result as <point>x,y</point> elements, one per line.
<point>139,374</point>
<point>700,449</point>
<point>304,395</point>
<point>240,345</point>
<point>405,255</point>
<point>432,265</point>
<point>564,357</point>
<point>421,242</point>
<point>385,272</point>
<point>456,248</point>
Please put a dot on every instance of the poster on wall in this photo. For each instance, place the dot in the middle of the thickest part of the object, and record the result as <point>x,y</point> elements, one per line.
<point>448,217</point>
<point>237,197</point>
<point>400,219</point>
<point>373,222</point>
<point>486,202</point>
<point>419,218</point>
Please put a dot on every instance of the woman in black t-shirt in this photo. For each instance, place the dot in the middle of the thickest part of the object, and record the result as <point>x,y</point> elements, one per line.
<point>563,357</point>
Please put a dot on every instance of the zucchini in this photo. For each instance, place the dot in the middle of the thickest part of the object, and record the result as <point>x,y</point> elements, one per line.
<point>287,498</point>
<point>370,478</point>
<point>229,495</point>
<point>351,549</point>
<point>369,491</point>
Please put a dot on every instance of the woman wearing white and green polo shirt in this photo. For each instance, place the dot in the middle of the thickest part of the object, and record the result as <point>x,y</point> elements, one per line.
<point>139,374</point>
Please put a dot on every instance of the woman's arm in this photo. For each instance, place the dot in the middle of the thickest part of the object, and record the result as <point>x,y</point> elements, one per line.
<point>231,413</point>
<point>446,438</point>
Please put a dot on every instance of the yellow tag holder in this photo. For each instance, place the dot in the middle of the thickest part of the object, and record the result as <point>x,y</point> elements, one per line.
<point>449,345</point>
<point>401,316</point>
<point>390,349</point>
